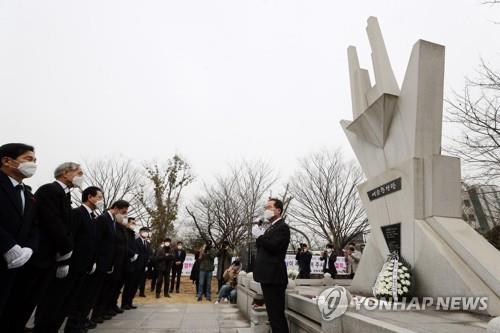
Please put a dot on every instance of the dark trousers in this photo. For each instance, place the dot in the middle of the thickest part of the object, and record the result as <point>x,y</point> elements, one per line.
<point>154,277</point>
<point>51,310</point>
<point>132,280</point>
<point>106,296</point>
<point>85,299</point>
<point>7,278</point>
<point>29,287</point>
<point>142,282</point>
<point>274,297</point>
<point>176,274</point>
<point>163,276</point>
<point>115,294</point>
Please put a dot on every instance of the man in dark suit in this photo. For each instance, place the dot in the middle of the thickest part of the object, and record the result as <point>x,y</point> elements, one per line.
<point>125,256</point>
<point>144,239</point>
<point>136,275</point>
<point>179,258</point>
<point>304,258</point>
<point>83,260</point>
<point>329,257</point>
<point>55,249</point>
<point>163,264</point>
<point>54,200</point>
<point>18,233</point>
<point>108,255</point>
<point>270,268</point>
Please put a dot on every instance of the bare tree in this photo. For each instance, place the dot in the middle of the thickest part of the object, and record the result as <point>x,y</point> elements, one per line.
<point>325,198</point>
<point>119,180</point>
<point>161,197</point>
<point>226,209</point>
<point>476,111</point>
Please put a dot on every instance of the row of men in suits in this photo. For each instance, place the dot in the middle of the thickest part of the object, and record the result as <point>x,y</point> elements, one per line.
<point>62,261</point>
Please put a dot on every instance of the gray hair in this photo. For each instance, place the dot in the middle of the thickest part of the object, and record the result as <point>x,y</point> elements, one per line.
<point>65,167</point>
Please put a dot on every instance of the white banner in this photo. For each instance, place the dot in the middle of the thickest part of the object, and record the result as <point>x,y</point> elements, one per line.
<point>316,264</point>
<point>291,263</point>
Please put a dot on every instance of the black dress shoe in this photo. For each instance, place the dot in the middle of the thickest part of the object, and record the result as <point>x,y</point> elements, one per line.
<point>126,307</point>
<point>177,291</point>
<point>97,320</point>
<point>157,295</point>
<point>142,295</point>
<point>112,313</point>
<point>132,306</point>
<point>89,324</point>
<point>28,329</point>
<point>117,309</point>
<point>106,317</point>
<point>167,295</point>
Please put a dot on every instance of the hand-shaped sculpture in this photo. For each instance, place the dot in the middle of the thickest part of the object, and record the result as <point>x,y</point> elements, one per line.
<point>390,126</point>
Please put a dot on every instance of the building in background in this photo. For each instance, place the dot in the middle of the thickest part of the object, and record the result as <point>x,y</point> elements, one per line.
<point>481,206</point>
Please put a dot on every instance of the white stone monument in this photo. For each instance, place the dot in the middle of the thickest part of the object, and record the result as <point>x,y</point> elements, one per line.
<point>396,136</point>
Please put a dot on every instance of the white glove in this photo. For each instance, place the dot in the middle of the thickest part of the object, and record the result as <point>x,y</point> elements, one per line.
<point>134,258</point>
<point>62,271</point>
<point>94,266</point>
<point>17,256</point>
<point>64,257</point>
<point>257,231</point>
<point>145,269</point>
<point>111,271</point>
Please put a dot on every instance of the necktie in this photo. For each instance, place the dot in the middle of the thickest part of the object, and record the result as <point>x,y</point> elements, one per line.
<point>68,197</point>
<point>20,189</point>
<point>92,215</point>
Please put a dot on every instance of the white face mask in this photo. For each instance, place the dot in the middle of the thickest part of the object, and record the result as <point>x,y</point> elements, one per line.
<point>100,205</point>
<point>268,214</point>
<point>119,218</point>
<point>179,247</point>
<point>77,181</point>
<point>28,169</point>
<point>167,244</point>
<point>329,250</point>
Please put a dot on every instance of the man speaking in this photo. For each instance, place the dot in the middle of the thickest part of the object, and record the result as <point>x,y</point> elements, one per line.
<point>270,268</point>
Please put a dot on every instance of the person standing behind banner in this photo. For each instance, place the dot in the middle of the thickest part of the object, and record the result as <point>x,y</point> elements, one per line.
<point>83,263</point>
<point>329,257</point>
<point>195,271</point>
<point>50,263</point>
<point>207,257</point>
<point>353,257</point>
<point>304,258</point>
<point>163,264</point>
<point>270,268</point>
<point>225,257</point>
<point>178,264</point>
<point>18,232</point>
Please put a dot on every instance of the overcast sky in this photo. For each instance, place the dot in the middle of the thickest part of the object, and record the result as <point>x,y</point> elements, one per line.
<point>215,81</point>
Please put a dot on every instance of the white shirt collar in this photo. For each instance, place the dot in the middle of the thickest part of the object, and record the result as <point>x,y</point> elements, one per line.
<point>278,219</point>
<point>88,209</point>
<point>64,186</point>
<point>112,217</point>
<point>14,182</point>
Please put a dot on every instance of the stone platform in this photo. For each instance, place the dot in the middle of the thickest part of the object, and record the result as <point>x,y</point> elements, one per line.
<point>181,318</point>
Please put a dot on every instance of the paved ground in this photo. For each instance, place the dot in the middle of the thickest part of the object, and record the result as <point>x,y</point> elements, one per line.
<point>182,318</point>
